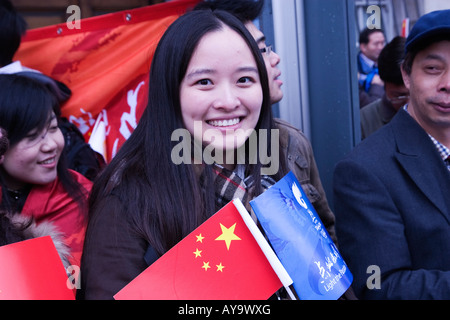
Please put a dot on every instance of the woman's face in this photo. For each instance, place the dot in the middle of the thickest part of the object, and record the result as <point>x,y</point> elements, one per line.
<point>33,160</point>
<point>221,94</point>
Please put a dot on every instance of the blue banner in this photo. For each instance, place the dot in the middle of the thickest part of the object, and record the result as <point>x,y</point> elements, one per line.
<point>301,241</point>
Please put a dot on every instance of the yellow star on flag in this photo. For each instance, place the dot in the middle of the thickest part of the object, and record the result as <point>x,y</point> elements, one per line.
<point>228,235</point>
<point>206,265</point>
<point>198,253</point>
<point>200,238</point>
<point>220,267</point>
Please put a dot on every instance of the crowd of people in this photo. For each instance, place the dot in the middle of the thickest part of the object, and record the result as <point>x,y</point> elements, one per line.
<point>213,67</point>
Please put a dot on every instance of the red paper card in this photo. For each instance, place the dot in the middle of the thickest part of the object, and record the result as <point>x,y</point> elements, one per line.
<point>33,270</point>
<point>219,260</point>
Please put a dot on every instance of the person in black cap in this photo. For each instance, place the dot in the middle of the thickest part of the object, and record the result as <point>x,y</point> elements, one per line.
<point>391,194</point>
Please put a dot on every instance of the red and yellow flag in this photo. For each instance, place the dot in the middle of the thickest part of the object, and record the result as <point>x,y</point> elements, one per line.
<point>405,28</point>
<point>105,63</point>
<point>219,260</point>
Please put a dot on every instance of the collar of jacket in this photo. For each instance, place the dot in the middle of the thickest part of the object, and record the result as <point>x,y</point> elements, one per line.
<point>418,156</point>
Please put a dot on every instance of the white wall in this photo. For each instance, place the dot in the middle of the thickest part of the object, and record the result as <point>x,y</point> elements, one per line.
<point>290,46</point>
<point>432,5</point>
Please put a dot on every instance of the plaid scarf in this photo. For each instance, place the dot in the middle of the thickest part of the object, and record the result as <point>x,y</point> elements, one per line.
<point>444,152</point>
<point>230,185</point>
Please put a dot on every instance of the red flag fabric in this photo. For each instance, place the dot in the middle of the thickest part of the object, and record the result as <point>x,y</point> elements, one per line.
<point>405,28</point>
<point>220,260</point>
<point>105,63</point>
<point>33,270</point>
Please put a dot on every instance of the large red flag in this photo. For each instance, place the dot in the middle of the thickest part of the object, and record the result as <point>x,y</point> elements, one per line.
<point>32,270</point>
<point>105,63</point>
<point>219,260</point>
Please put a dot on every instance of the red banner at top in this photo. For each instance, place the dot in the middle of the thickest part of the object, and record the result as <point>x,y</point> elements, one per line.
<point>106,64</point>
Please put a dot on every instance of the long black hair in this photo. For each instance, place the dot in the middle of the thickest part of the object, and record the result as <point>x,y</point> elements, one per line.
<point>26,105</point>
<point>8,232</point>
<point>165,201</point>
<point>12,27</point>
<point>244,10</point>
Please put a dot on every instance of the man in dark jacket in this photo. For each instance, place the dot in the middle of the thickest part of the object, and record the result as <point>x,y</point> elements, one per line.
<point>380,112</point>
<point>392,200</point>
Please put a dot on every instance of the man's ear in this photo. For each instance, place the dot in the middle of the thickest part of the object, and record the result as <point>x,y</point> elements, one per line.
<point>363,48</point>
<point>406,78</point>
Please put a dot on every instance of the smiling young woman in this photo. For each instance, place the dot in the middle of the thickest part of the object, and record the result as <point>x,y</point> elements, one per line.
<point>209,86</point>
<point>35,181</point>
<point>221,90</point>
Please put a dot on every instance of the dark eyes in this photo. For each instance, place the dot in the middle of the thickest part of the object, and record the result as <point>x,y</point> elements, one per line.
<point>245,80</point>
<point>204,82</point>
<point>242,80</point>
<point>433,69</point>
<point>34,134</point>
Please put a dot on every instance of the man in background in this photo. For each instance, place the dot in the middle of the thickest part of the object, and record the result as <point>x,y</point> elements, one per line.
<point>391,194</point>
<point>371,42</point>
<point>396,95</point>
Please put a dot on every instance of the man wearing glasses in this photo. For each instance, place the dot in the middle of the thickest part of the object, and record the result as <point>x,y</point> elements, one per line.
<point>396,95</point>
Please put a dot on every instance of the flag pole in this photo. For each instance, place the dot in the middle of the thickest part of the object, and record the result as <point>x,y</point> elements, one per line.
<point>291,294</point>
<point>279,269</point>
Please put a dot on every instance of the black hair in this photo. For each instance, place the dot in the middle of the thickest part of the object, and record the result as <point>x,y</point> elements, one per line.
<point>244,10</point>
<point>4,141</point>
<point>165,201</point>
<point>390,60</point>
<point>9,232</point>
<point>364,36</point>
<point>12,28</point>
<point>27,105</point>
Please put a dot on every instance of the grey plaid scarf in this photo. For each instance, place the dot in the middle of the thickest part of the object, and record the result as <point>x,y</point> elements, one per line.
<point>230,185</point>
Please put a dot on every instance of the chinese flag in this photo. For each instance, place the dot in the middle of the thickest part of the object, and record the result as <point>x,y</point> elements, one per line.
<point>32,270</point>
<point>220,260</point>
<point>405,28</point>
<point>105,63</point>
